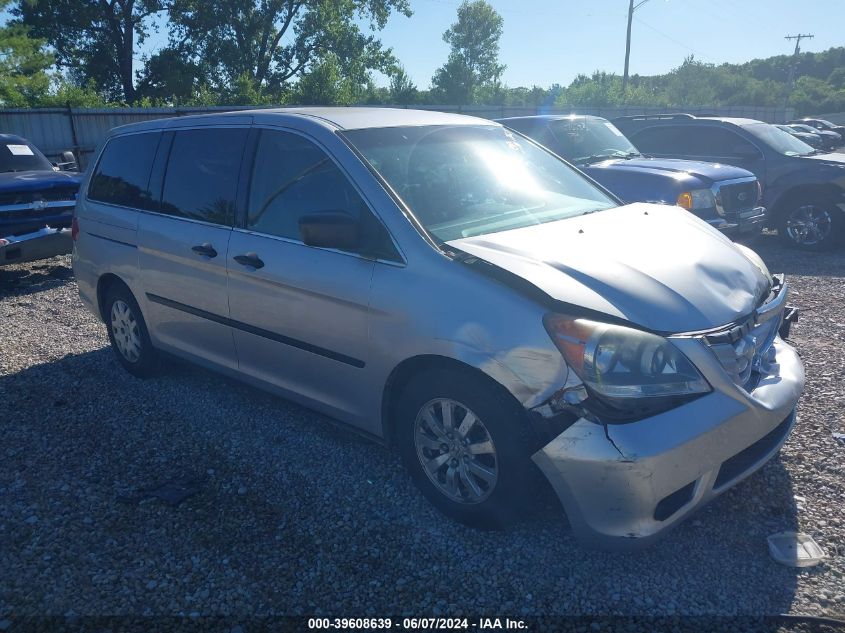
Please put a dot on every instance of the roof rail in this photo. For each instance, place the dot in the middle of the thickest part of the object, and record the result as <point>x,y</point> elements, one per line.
<point>655,117</point>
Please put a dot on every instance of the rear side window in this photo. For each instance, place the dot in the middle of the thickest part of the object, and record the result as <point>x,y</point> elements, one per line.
<point>123,173</point>
<point>692,141</point>
<point>291,178</point>
<point>202,174</point>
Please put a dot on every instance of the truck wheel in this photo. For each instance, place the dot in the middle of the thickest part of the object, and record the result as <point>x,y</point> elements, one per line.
<point>466,445</point>
<point>813,224</point>
<point>128,334</point>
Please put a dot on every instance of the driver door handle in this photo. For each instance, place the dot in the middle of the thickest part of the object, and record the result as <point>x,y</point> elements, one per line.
<point>205,249</point>
<point>249,259</point>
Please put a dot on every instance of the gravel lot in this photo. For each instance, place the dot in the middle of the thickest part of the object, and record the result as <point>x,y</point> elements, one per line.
<point>295,515</point>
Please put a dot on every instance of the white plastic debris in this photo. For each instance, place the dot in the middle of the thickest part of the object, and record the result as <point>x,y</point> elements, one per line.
<point>795,549</point>
<point>799,502</point>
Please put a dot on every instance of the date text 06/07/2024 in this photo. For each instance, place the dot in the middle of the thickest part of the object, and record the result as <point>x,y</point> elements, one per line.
<point>480,624</point>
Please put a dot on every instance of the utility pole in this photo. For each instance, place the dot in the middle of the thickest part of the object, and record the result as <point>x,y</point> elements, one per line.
<point>631,8</point>
<point>790,83</point>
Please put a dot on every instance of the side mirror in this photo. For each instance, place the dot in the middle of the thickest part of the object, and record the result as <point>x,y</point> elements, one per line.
<point>68,162</point>
<point>330,229</point>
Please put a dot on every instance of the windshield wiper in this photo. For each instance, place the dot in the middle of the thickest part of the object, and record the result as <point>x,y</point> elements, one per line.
<point>594,158</point>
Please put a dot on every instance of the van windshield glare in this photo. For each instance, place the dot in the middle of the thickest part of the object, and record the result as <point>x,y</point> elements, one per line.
<point>461,181</point>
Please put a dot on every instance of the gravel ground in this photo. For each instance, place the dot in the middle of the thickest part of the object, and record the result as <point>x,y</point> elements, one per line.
<point>295,515</point>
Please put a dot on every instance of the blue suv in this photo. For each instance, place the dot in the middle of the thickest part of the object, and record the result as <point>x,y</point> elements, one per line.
<point>724,196</point>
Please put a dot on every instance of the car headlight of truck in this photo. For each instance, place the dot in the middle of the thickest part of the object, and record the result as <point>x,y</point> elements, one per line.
<point>697,200</point>
<point>630,373</point>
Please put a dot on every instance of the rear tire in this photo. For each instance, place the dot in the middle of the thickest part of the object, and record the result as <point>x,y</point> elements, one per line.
<point>130,340</point>
<point>812,224</point>
<point>474,439</point>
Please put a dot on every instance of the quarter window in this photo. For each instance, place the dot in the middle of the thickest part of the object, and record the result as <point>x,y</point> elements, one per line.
<point>292,178</point>
<point>202,174</point>
<point>123,172</point>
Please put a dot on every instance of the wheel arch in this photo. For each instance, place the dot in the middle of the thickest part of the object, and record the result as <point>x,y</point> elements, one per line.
<point>828,191</point>
<point>409,368</point>
<point>105,283</point>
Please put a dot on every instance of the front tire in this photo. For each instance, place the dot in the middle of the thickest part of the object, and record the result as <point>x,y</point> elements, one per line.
<point>130,340</point>
<point>815,224</point>
<point>465,442</point>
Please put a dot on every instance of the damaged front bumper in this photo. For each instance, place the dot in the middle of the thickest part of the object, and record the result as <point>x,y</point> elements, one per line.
<point>624,485</point>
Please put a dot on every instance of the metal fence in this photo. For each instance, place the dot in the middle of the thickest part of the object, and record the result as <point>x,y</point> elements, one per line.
<point>80,130</point>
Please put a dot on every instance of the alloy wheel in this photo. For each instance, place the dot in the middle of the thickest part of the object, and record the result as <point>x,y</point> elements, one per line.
<point>809,225</point>
<point>456,451</point>
<point>124,327</point>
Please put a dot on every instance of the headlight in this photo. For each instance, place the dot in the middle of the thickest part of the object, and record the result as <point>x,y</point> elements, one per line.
<point>631,373</point>
<point>697,200</point>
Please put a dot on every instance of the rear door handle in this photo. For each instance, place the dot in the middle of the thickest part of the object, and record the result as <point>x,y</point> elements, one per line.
<point>206,250</point>
<point>250,259</point>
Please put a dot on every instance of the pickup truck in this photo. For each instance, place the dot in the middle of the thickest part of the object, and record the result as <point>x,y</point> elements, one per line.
<point>726,197</point>
<point>803,187</point>
<point>37,200</point>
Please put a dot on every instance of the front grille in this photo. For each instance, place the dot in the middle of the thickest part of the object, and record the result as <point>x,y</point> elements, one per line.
<point>36,214</point>
<point>47,195</point>
<point>736,198</point>
<point>744,357</point>
<point>745,350</point>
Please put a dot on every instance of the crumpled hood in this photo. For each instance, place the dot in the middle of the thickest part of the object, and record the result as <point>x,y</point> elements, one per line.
<point>38,180</point>
<point>656,266</point>
<point>674,167</point>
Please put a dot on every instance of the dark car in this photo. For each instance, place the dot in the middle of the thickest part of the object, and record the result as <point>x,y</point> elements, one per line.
<point>826,138</point>
<point>33,192</point>
<point>803,188</point>
<point>820,124</point>
<point>810,138</point>
<point>722,195</point>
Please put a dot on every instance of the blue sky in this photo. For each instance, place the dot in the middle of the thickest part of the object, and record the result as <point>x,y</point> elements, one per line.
<point>551,41</point>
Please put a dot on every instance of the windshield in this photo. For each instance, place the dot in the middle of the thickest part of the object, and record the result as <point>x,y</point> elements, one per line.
<point>582,139</point>
<point>21,156</point>
<point>462,181</point>
<point>778,140</point>
<point>805,128</point>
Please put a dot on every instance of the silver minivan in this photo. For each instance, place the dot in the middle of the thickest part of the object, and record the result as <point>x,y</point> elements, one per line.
<point>448,287</point>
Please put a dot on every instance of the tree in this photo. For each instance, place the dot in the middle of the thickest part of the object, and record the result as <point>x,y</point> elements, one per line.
<point>94,40</point>
<point>169,77</point>
<point>403,91</point>
<point>271,43</point>
<point>473,61</point>
<point>24,80</point>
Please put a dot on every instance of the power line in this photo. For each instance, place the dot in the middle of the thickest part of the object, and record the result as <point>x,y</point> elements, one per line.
<point>672,39</point>
<point>790,84</point>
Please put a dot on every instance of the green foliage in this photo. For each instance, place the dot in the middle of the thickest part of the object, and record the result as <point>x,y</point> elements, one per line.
<point>24,63</point>
<point>402,91</point>
<point>259,48</point>
<point>93,40</point>
<point>471,73</point>
<point>263,52</point>
<point>75,96</point>
<point>326,85</point>
<point>693,83</point>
